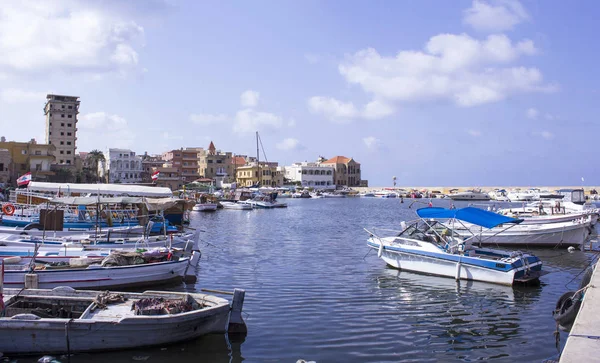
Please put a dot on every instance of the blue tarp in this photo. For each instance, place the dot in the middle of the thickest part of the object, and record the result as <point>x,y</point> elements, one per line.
<point>473,215</point>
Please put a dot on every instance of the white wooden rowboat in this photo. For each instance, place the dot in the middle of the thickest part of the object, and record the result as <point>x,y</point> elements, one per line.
<point>64,320</point>
<point>95,276</point>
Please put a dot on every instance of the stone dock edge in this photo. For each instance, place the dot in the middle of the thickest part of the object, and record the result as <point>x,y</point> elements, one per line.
<point>583,343</point>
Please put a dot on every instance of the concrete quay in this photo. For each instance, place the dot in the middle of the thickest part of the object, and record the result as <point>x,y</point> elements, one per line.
<point>583,343</point>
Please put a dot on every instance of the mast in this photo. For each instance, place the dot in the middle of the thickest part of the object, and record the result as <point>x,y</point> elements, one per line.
<point>258,161</point>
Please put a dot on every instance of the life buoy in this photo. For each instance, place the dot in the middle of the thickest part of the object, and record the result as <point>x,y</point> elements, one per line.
<point>8,209</point>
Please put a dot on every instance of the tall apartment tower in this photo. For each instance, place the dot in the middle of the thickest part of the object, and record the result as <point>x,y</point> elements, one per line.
<point>61,126</point>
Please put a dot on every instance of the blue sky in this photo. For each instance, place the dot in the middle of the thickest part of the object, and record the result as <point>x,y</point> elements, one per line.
<point>495,92</point>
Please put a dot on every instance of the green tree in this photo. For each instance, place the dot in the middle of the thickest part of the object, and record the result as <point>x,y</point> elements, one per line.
<point>96,157</point>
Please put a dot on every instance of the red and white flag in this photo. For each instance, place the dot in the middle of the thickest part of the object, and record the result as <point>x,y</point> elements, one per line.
<point>155,175</point>
<point>24,179</point>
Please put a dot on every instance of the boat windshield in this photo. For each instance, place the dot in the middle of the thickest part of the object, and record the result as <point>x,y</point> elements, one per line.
<point>432,231</point>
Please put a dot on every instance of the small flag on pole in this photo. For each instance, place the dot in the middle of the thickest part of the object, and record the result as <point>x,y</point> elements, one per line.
<point>24,179</point>
<point>155,175</point>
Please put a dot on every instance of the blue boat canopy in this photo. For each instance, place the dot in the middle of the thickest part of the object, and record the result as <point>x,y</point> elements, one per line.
<point>473,215</point>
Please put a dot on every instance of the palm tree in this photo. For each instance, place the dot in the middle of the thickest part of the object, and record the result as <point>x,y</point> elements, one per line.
<point>96,156</point>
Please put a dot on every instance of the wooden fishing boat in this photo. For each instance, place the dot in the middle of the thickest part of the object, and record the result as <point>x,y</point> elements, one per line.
<point>64,320</point>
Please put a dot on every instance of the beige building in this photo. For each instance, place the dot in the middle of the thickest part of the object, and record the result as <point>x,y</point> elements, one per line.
<point>61,126</point>
<point>215,164</point>
<point>186,162</point>
<point>346,171</point>
<point>169,177</point>
<point>5,160</point>
<point>28,157</point>
<point>266,176</point>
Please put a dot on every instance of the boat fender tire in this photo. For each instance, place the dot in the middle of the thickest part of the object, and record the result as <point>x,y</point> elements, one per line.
<point>587,276</point>
<point>31,226</point>
<point>567,308</point>
<point>8,209</point>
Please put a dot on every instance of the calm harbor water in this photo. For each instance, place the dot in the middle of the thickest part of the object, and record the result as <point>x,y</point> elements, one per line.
<point>314,292</point>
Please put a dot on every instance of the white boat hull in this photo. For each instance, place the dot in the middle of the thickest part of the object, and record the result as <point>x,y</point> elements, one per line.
<point>206,207</point>
<point>542,235</point>
<point>106,277</point>
<point>433,266</point>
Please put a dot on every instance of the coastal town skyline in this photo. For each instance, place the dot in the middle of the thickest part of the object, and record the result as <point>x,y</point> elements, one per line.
<point>461,93</point>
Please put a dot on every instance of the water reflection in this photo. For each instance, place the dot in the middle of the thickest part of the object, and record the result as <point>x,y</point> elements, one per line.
<point>218,348</point>
<point>471,319</point>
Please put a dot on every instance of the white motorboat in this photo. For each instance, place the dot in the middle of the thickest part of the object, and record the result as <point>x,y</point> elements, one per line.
<point>366,195</point>
<point>205,207</point>
<point>107,274</point>
<point>518,195</point>
<point>499,195</point>
<point>303,194</point>
<point>432,247</point>
<point>235,206</point>
<point>64,320</point>
<point>559,234</point>
<point>385,194</point>
<point>264,202</point>
<point>469,195</point>
<point>333,195</point>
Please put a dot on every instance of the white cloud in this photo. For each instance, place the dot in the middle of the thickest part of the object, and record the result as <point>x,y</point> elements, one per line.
<point>550,117</point>
<point>14,95</point>
<point>547,135</point>
<point>484,16</point>
<point>67,36</point>
<point>377,109</point>
<point>291,122</point>
<point>544,134</point>
<point>372,143</point>
<point>249,98</point>
<point>99,130</point>
<point>532,113</point>
<point>250,120</point>
<point>474,133</point>
<point>333,109</point>
<point>206,119</point>
<point>459,68</point>
<point>289,144</point>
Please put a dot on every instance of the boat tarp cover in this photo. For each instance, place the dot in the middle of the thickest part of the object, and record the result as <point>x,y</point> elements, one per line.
<point>473,215</point>
<point>112,189</point>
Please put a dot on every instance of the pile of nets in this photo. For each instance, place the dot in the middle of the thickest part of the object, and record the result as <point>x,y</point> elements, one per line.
<point>161,306</point>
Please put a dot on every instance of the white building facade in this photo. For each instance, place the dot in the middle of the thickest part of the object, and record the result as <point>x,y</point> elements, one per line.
<point>121,166</point>
<point>311,175</point>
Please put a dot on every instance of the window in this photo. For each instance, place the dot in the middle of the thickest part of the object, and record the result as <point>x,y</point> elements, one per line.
<point>68,152</point>
<point>24,152</point>
<point>70,107</point>
<point>70,116</point>
<point>50,123</point>
<point>69,134</point>
<point>38,167</point>
<point>68,161</point>
<point>62,142</point>
<point>62,134</point>
<point>68,142</point>
<point>62,106</point>
<point>1,166</point>
<point>62,152</point>
<point>63,115</point>
<point>38,152</point>
<point>62,124</point>
<point>210,161</point>
<point>50,133</point>
<point>219,161</point>
<point>62,161</point>
<point>69,125</point>
<point>49,142</point>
